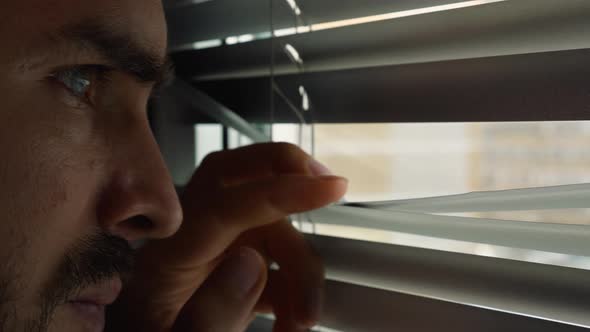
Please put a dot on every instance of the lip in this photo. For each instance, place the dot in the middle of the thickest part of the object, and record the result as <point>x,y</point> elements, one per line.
<point>101,294</point>
<point>89,316</point>
<point>89,306</point>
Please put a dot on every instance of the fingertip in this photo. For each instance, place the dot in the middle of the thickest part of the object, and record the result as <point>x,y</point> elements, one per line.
<point>320,191</point>
<point>253,255</point>
<point>227,298</point>
<point>339,185</point>
<point>318,168</point>
<point>260,262</point>
<point>243,272</point>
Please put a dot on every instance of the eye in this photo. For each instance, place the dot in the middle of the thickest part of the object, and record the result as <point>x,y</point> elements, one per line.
<point>81,81</point>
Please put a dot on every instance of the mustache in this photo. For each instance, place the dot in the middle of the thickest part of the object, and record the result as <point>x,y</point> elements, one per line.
<point>92,260</point>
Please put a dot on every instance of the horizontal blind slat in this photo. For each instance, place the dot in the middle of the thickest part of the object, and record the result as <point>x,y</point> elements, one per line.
<point>574,196</point>
<point>354,308</point>
<point>533,87</point>
<point>558,238</point>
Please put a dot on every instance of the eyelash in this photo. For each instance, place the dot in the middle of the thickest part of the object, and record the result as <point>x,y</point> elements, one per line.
<point>80,81</point>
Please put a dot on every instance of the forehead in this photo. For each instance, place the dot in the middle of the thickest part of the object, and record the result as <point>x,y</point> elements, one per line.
<point>142,19</point>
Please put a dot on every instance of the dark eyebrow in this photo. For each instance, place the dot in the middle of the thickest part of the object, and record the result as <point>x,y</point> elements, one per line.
<point>120,50</point>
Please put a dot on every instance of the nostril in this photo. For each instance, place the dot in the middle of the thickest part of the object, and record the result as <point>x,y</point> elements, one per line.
<point>139,223</point>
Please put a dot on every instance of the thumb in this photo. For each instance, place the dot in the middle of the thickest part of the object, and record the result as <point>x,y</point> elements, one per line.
<point>226,300</point>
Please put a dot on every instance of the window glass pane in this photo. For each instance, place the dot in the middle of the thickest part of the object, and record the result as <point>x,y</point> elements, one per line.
<point>286,132</point>
<point>397,161</point>
<point>299,134</point>
<point>233,138</point>
<point>208,138</point>
<point>244,140</point>
<point>389,161</point>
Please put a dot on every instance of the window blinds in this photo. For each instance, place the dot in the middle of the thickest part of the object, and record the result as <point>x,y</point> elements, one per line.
<point>486,61</point>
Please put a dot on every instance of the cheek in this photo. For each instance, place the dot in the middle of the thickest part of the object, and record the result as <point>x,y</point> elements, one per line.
<point>51,172</point>
<point>51,154</point>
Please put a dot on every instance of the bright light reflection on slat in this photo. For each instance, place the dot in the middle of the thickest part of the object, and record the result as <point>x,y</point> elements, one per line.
<point>394,15</point>
<point>304,98</point>
<point>207,44</point>
<point>293,54</point>
<point>294,7</point>
<point>245,38</point>
<point>231,40</point>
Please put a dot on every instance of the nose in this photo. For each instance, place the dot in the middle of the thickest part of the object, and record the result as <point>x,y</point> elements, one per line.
<point>139,200</point>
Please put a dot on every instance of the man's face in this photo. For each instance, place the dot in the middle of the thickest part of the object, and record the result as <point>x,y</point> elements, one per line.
<point>80,174</point>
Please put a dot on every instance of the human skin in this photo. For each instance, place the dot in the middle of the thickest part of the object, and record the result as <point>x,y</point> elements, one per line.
<point>85,166</point>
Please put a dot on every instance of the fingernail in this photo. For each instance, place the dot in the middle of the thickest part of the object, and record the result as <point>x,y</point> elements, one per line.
<point>318,169</point>
<point>242,271</point>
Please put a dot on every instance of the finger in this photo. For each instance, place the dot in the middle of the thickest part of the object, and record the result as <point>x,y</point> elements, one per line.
<point>227,298</point>
<point>277,290</point>
<point>303,270</point>
<point>255,162</point>
<point>273,199</point>
<point>237,209</point>
<point>301,267</point>
<point>275,299</point>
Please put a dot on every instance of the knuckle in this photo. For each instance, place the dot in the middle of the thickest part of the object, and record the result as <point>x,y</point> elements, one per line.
<point>212,158</point>
<point>289,148</point>
<point>290,152</point>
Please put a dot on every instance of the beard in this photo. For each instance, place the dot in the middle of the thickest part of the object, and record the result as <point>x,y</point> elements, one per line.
<point>90,261</point>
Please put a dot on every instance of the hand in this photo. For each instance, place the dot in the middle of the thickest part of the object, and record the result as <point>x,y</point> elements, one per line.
<point>213,274</point>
